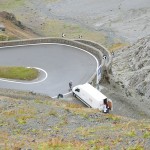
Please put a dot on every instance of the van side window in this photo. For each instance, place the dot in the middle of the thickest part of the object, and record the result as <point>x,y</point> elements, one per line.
<point>77,90</point>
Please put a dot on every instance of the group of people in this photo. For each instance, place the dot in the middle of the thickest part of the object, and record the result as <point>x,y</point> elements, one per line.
<point>70,88</point>
<point>107,106</point>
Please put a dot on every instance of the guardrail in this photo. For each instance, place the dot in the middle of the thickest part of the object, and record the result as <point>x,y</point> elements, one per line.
<point>108,61</point>
<point>89,46</point>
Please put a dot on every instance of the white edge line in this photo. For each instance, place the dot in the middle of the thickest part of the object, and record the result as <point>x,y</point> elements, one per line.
<point>26,82</point>
<point>45,71</point>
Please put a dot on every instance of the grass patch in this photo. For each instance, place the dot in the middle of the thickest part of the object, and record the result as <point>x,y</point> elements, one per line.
<point>85,132</point>
<point>131,133</point>
<point>146,134</point>
<point>3,123</point>
<point>20,73</point>
<point>10,4</point>
<point>53,113</point>
<point>23,119</point>
<point>55,28</point>
<point>136,147</point>
<point>60,144</point>
<point>117,46</point>
<point>73,105</point>
<point>113,117</point>
<point>3,37</point>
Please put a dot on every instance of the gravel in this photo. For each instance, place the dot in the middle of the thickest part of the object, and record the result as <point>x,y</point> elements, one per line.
<point>27,123</point>
<point>119,20</point>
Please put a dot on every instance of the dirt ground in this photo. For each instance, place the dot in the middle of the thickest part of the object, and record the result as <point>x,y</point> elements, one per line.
<point>40,123</point>
<point>128,106</point>
<point>133,107</point>
<point>120,21</point>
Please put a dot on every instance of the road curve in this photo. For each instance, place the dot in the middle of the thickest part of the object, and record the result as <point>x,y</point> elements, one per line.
<point>58,63</point>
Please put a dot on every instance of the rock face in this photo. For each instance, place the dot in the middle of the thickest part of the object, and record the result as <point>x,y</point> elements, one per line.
<point>12,18</point>
<point>12,29</point>
<point>131,67</point>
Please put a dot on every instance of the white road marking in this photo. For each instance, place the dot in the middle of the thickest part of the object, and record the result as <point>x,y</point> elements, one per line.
<point>45,71</point>
<point>28,82</point>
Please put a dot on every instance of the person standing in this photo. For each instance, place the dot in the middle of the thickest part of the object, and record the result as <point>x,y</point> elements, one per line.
<point>106,107</point>
<point>70,85</point>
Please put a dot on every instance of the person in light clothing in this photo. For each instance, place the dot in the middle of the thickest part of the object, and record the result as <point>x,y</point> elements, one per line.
<point>106,106</point>
<point>105,109</point>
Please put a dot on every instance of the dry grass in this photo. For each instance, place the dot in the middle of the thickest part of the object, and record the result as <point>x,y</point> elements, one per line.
<point>3,37</point>
<point>7,4</point>
<point>13,32</point>
<point>55,28</point>
<point>117,46</point>
<point>101,131</point>
<point>60,144</point>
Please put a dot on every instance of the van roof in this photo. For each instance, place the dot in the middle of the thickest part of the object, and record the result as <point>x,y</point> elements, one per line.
<point>93,91</point>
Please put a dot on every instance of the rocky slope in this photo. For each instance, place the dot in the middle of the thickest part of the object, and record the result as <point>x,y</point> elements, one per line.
<point>131,68</point>
<point>118,20</point>
<point>29,121</point>
<point>40,123</point>
<point>14,29</point>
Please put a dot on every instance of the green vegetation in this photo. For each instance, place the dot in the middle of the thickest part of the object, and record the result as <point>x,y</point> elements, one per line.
<point>136,147</point>
<point>131,133</point>
<point>45,124</point>
<point>10,4</point>
<point>113,117</point>
<point>147,134</point>
<point>55,28</point>
<point>117,46</point>
<point>53,112</point>
<point>3,37</point>
<point>58,143</point>
<point>22,119</point>
<point>20,73</point>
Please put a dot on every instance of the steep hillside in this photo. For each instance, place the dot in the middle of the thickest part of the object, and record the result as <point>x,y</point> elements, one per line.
<point>131,68</point>
<point>31,121</point>
<point>40,123</point>
<point>115,23</point>
<point>14,29</point>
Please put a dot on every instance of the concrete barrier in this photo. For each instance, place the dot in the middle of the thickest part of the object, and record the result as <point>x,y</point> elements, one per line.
<point>94,48</point>
<point>108,62</point>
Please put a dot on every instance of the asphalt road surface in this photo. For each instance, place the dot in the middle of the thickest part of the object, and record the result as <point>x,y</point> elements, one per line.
<point>60,64</point>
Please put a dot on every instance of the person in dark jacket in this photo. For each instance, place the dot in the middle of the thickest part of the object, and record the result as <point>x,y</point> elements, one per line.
<point>70,85</point>
<point>60,96</point>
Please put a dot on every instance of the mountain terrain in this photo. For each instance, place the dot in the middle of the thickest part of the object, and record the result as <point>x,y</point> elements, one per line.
<point>14,29</point>
<point>29,121</point>
<point>114,23</point>
<point>131,67</point>
<point>33,121</point>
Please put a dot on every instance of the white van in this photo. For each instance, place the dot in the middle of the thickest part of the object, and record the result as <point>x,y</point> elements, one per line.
<point>91,97</point>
